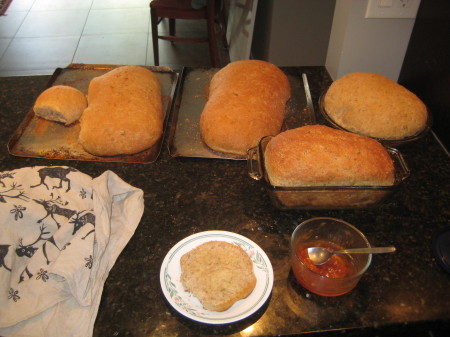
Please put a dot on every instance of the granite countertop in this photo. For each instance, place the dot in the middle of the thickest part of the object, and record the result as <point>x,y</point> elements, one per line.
<point>402,293</point>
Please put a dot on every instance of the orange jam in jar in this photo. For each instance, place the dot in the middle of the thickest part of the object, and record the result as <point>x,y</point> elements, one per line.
<point>339,266</point>
<point>333,278</point>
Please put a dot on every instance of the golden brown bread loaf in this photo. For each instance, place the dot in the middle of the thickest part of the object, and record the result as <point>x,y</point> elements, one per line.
<point>318,155</point>
<point>218,273</point>
<point>375,106</point>
<point>246,102</point>
<point>60,103</point>
<point>124,114</point>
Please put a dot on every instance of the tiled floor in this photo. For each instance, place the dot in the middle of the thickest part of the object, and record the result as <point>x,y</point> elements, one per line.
<point>37,36</point>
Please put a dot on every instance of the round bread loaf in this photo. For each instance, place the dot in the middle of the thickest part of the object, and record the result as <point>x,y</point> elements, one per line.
<point>375,106</point>
<point>318,155</point>
<point>61,104</point>
<point>124,115</point>
<point>246,102</point>
<point>218,273</point>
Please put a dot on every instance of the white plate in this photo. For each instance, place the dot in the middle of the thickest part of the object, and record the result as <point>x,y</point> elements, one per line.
<point>189,306</point>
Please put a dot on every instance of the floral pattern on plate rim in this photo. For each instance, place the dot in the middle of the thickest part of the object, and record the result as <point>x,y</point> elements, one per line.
<point>198,312</point>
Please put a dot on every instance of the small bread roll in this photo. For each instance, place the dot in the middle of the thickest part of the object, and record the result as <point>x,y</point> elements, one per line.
<point>218,273</point>
<point>60,103</point>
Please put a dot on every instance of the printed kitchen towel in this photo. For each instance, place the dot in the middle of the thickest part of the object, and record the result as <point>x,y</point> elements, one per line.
<point>60,234</point>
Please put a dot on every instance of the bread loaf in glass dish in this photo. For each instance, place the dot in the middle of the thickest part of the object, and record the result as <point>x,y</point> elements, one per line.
<point>319,167</point>
<point>373,105</point>
<point>246,101</point>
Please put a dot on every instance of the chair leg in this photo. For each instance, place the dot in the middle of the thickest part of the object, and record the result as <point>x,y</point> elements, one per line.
<point>212,38</point>
<point>222,22</point>
<point>154,20</point>
<point>172,27</point>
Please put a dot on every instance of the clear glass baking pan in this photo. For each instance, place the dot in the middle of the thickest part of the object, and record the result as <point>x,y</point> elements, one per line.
<point>324,197</point>
<point>384,141</point>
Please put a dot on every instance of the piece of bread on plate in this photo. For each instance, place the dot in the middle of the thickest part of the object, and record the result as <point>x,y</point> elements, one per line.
<point>218,273</point>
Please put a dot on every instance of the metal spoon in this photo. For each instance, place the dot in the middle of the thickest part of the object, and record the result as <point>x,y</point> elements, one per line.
<point>320,255</point>
<point>309,103</point>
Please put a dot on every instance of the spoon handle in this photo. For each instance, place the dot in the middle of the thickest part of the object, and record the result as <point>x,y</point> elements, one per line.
<point>373,250</point>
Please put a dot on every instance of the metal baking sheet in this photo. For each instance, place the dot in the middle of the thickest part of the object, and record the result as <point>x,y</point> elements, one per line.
<point>39,138</point>
<point>185,139</point>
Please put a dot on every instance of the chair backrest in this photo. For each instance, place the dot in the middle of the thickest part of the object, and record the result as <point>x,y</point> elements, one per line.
<point>182,9</point>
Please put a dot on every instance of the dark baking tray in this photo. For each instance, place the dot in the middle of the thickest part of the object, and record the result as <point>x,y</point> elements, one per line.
<point>185,139</point>
<point>39,138</point>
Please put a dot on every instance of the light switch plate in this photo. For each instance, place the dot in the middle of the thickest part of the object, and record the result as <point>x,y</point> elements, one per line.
<point>392,9</point>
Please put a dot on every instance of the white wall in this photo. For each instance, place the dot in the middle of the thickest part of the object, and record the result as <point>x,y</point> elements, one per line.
<point>369,45</point>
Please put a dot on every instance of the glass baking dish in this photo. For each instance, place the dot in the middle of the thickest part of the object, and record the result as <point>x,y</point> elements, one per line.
<point>384,141</point>
<point>324,197</point>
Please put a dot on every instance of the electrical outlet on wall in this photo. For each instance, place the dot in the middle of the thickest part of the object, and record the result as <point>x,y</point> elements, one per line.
<point>392,9</point>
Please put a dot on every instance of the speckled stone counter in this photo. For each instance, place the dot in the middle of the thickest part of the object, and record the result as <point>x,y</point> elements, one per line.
<point>406,293</point>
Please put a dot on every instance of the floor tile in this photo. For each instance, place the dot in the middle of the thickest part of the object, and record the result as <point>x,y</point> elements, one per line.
<point>26,72</point>
<point>38,53</point>
<point>4,43</point>
<point>180,53</point>
<point>53,23</point>
<point>44,5</point>
<point>117,21</point>
<point>102,4</point>
<point>20,5</point>
<point>38,36</point>
<point>10,24</point>
<point>112,49</point>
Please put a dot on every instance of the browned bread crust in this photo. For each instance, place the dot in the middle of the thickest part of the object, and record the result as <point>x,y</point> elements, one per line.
<point>246,102</point>
<point>375,106</point>
<point>218,273</point>
<point>60,103</point>
<point>124,114</point>
<point>318,155</point>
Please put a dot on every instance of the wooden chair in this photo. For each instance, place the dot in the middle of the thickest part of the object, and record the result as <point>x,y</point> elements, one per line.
<point>181,9</point>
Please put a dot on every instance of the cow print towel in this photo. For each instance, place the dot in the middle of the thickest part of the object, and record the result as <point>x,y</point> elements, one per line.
<point>61,232</point>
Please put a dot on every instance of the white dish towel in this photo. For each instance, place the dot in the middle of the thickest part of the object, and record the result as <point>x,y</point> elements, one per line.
<point>60,234</point>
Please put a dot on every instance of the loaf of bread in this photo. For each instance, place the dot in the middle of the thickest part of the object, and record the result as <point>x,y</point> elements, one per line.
<point>375,106</point>
<point>246,102</point>
<point>124,114</point>
<point>318,155</point>
<point>60,103</point>
<point>218,273</point>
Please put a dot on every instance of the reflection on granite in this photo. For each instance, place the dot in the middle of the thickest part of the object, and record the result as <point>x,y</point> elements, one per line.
<point>402,293</point>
